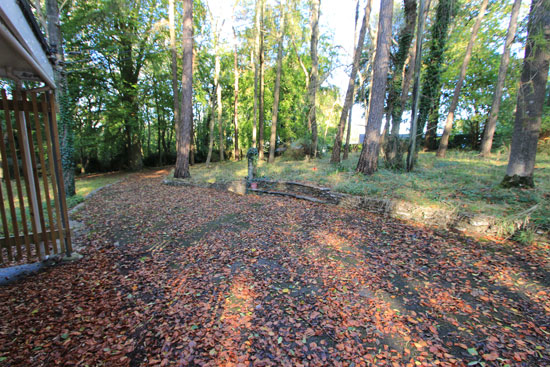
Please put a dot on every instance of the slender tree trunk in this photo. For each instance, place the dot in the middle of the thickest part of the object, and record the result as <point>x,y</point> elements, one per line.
<point>431,86</point>
<point>348,135</point>
<point>313,75</point>
<point>487,141</point>
<point>186,106</point>
<point>444,142</point>
<point>348,131</point>
<point>261,107</point>
<point>210,130</point>
<point>236,98</point>
<point>416,87</point>
<point>219,105</point>
<point>368,160</point>
<point>531,95</point>
<point>276,92</point>
<point>335,158</point>
<point>66,134</point>
<point>395,85</point>
<point>174,63</point>
<point>256,70</point>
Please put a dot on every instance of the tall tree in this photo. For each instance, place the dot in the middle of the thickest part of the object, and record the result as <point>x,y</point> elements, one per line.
<point>487,141</point>
<point>406,36</point>
<point>444,142</point>
<point>276,91</point>
<point>257,30</point>
<point>335,158</point>
<point>261,107</point>
<point>416,86</point>
<point>219,116</point>
<point>174,62</point>
<point>313,75</point>
<point>348,132</point>
<point>531,95</point>
<point>431,86</point>
<point>66,138</point>
<point>184,131</point>
<point>368,160</point>
<point>236,153</point>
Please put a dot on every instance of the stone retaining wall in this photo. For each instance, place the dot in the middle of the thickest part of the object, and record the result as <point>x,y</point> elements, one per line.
<point>399,209</point>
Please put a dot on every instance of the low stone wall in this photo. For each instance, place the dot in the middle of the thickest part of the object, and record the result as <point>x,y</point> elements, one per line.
<point>238,187</point>
<point>400,209</point>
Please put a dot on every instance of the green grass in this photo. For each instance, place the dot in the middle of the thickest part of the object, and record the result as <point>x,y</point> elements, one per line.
<point>83,185</point>
<point>462,181</point>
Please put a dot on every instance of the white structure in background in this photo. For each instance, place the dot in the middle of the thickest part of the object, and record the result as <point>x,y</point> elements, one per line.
<point>24,51</point>
<point>24,57</point>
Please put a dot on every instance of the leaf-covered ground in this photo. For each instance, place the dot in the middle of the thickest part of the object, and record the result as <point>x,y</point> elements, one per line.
<point>177,276</point>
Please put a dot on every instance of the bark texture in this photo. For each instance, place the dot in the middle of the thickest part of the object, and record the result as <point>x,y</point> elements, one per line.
<point>236,154</point>
<point>416,86</point>
<point>184,136</point>
<point>66,135</point>
<point>261,107</point>
<point>487,141</point>
<point>335,158</point>
<point>313,75</point>
<point>530,102</point>
<point>368,160</point>
<point>444,142</point>
<point>276,92</point>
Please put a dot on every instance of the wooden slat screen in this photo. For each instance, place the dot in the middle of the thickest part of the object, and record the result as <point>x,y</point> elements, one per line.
<point>33,208</point>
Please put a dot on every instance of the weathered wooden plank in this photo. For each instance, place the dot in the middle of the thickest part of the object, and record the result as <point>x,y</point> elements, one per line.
<point>36,180</point>
<point>4,219</point>
<point>11,141</point>
<point>21,105</point>
<point>61,184</point>
<point>7,242</point>
<point>26,162</point>
<point>7,179</point>
<point>41,155</point>
<point>51,159</point>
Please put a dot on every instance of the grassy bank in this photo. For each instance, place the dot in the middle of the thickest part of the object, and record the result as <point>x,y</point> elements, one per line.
<point>83,185</point>
<point>462,181</point>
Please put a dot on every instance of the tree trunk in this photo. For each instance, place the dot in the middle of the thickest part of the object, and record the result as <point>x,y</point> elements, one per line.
<point>256,70</point>
<point>487,141</point>
<point>186,106</point>
<point>261,112</point>
<point>219,104</point>
<point>348,135</point>
<point>431,87</point>
<point>210,130</point>
<point>313,75</point>
<point>174,64</point>
<point>276,92</point>
<point>236,99</point>
<point>368,160</point>
<point>406,35</point>
<point>531,95</point>
<point>66,134</point>
<point>416,87</point>
<point>335,158</point>
<point>444,142</point>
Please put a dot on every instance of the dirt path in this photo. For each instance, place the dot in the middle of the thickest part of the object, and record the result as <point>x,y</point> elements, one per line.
<point>179,276</point>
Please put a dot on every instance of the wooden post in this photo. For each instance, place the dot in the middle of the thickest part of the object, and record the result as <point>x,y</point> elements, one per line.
<point>61,186</point>
<point>25,151</point>
<point>41,155</point>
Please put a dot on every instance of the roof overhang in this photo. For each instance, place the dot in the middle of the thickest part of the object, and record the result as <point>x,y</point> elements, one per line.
<point>22,47</point>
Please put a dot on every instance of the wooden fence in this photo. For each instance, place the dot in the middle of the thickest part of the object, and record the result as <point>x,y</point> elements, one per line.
<point>35,223</point>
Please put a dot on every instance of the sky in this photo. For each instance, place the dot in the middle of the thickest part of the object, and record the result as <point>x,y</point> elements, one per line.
<point>336,21</point>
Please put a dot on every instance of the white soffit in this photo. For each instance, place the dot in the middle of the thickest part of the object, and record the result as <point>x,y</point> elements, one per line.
<point>21,53</point>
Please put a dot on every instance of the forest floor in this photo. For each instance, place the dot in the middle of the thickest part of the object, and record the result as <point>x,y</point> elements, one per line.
<point>186,276</point>
<point>462,181</point>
